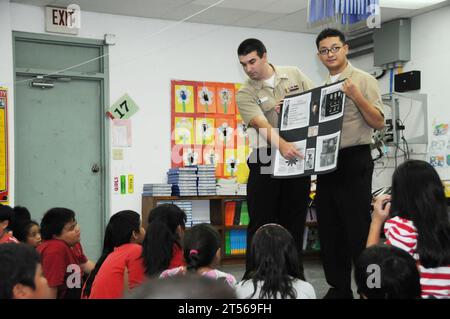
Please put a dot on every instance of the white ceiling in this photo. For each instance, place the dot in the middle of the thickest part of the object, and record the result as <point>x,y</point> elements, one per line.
<point>284,15</point>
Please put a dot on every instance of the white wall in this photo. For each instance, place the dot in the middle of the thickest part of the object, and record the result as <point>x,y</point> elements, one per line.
<point>143,65</point>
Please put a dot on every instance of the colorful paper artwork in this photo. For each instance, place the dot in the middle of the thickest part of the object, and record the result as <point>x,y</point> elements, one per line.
<point>184,99</point>
<point>206,101</point>
<point>184,130</point>
<point>204,131</point>
<point>225,100</point>
<point>207,128</point>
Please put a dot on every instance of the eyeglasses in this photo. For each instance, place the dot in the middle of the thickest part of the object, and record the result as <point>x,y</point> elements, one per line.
<point>325,51</point>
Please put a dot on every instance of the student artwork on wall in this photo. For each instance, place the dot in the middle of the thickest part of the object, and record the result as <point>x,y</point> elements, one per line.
<point>439,147</point>
<point>207,128</point>
<point>3,146</point>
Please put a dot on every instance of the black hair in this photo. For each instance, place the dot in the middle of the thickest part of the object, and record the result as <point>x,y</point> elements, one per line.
<point>249,45</point>
<point>21,217</point>
<point>54,221</point>
<point>161,236</point>
<point>21,213</point>
<point>118,232</point>
<point>418,195</point>
<point>328,33</point>
<point>183,287</point>
<point>273,259</point>
<point>395,270</point>
<point>18,265</point>
<point>6,213</point>
<point>22,228</point>
<point>200,246</point>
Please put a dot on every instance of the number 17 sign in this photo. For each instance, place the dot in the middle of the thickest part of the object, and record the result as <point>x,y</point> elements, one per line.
<point>123,109</point>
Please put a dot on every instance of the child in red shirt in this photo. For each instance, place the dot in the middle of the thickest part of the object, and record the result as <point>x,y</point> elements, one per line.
<point>162,244</point>
<point>120,267</point>
<point>63,259</point>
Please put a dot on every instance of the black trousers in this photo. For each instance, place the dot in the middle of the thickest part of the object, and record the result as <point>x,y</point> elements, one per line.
<point>274,200</point>
<point>343,213</point>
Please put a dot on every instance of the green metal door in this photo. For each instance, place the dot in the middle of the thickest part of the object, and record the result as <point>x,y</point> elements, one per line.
<point>58,141</point>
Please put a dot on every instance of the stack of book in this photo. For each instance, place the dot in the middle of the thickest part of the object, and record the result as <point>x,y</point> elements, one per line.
<point>241,189</point>
<point>157,190</point>
<point>183,180</point>
<point>226,186</point>
<point>185,205</point>
<point>206,175</point>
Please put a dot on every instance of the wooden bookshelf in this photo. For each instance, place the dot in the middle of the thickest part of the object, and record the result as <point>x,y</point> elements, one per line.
<point>216,214</point>
<point>217,217</point>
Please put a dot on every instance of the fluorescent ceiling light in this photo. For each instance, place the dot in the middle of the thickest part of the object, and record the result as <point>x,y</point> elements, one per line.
<point>408,4</point>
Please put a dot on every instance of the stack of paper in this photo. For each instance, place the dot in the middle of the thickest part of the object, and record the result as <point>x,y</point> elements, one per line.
<point>183,180</point>
<point>206,180</point>
<point>157,190</point>
<point>226,186</point>
<point>241,189</point>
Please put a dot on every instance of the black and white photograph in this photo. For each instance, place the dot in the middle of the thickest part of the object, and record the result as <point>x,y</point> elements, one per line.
<point>327,149</point>
<point>309,158</point>
<point>331,103</point>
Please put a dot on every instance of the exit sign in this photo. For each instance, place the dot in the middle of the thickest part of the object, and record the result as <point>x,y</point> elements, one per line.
<point>63,20</point>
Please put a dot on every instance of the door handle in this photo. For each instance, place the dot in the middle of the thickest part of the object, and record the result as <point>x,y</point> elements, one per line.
<point>95,168</point>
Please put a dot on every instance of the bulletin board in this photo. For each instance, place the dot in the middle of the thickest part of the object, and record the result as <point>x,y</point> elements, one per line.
<point>4,187</point>
<point>206,128</point>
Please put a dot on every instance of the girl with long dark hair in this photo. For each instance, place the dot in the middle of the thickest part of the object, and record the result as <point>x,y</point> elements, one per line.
<point>120,266</point>
<point>162,243</point>
<point>273,267</point>
<point>415,219</point>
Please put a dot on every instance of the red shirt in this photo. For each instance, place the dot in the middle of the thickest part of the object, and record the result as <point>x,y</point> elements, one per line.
<point>177,257</point>
<point>59,265</point>
<point>109,281</point>
<point>7,238</point>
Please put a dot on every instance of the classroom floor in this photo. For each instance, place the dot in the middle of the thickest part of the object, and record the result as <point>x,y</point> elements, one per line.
<point>313,272</point>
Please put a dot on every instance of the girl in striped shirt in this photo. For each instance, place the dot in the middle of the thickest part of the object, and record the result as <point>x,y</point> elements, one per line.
<point>416,220</point>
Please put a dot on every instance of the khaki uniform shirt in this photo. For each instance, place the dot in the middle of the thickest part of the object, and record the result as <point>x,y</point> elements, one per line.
<point>256,98</point>
<point>355,130</point>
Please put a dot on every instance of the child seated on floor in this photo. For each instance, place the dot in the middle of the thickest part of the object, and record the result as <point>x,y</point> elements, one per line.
<point>161,248</point>
<point>415,219</point>
<point>201,250</point>
<point>273,267</point>
<point>21,273</point>
<point>63,261</point>
<point>28,232</point>
<point>120,266</point>
<point>387,272</point>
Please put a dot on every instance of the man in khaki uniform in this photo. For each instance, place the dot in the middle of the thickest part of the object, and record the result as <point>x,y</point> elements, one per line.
<point>344,195</point>
<point>270,200</point>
